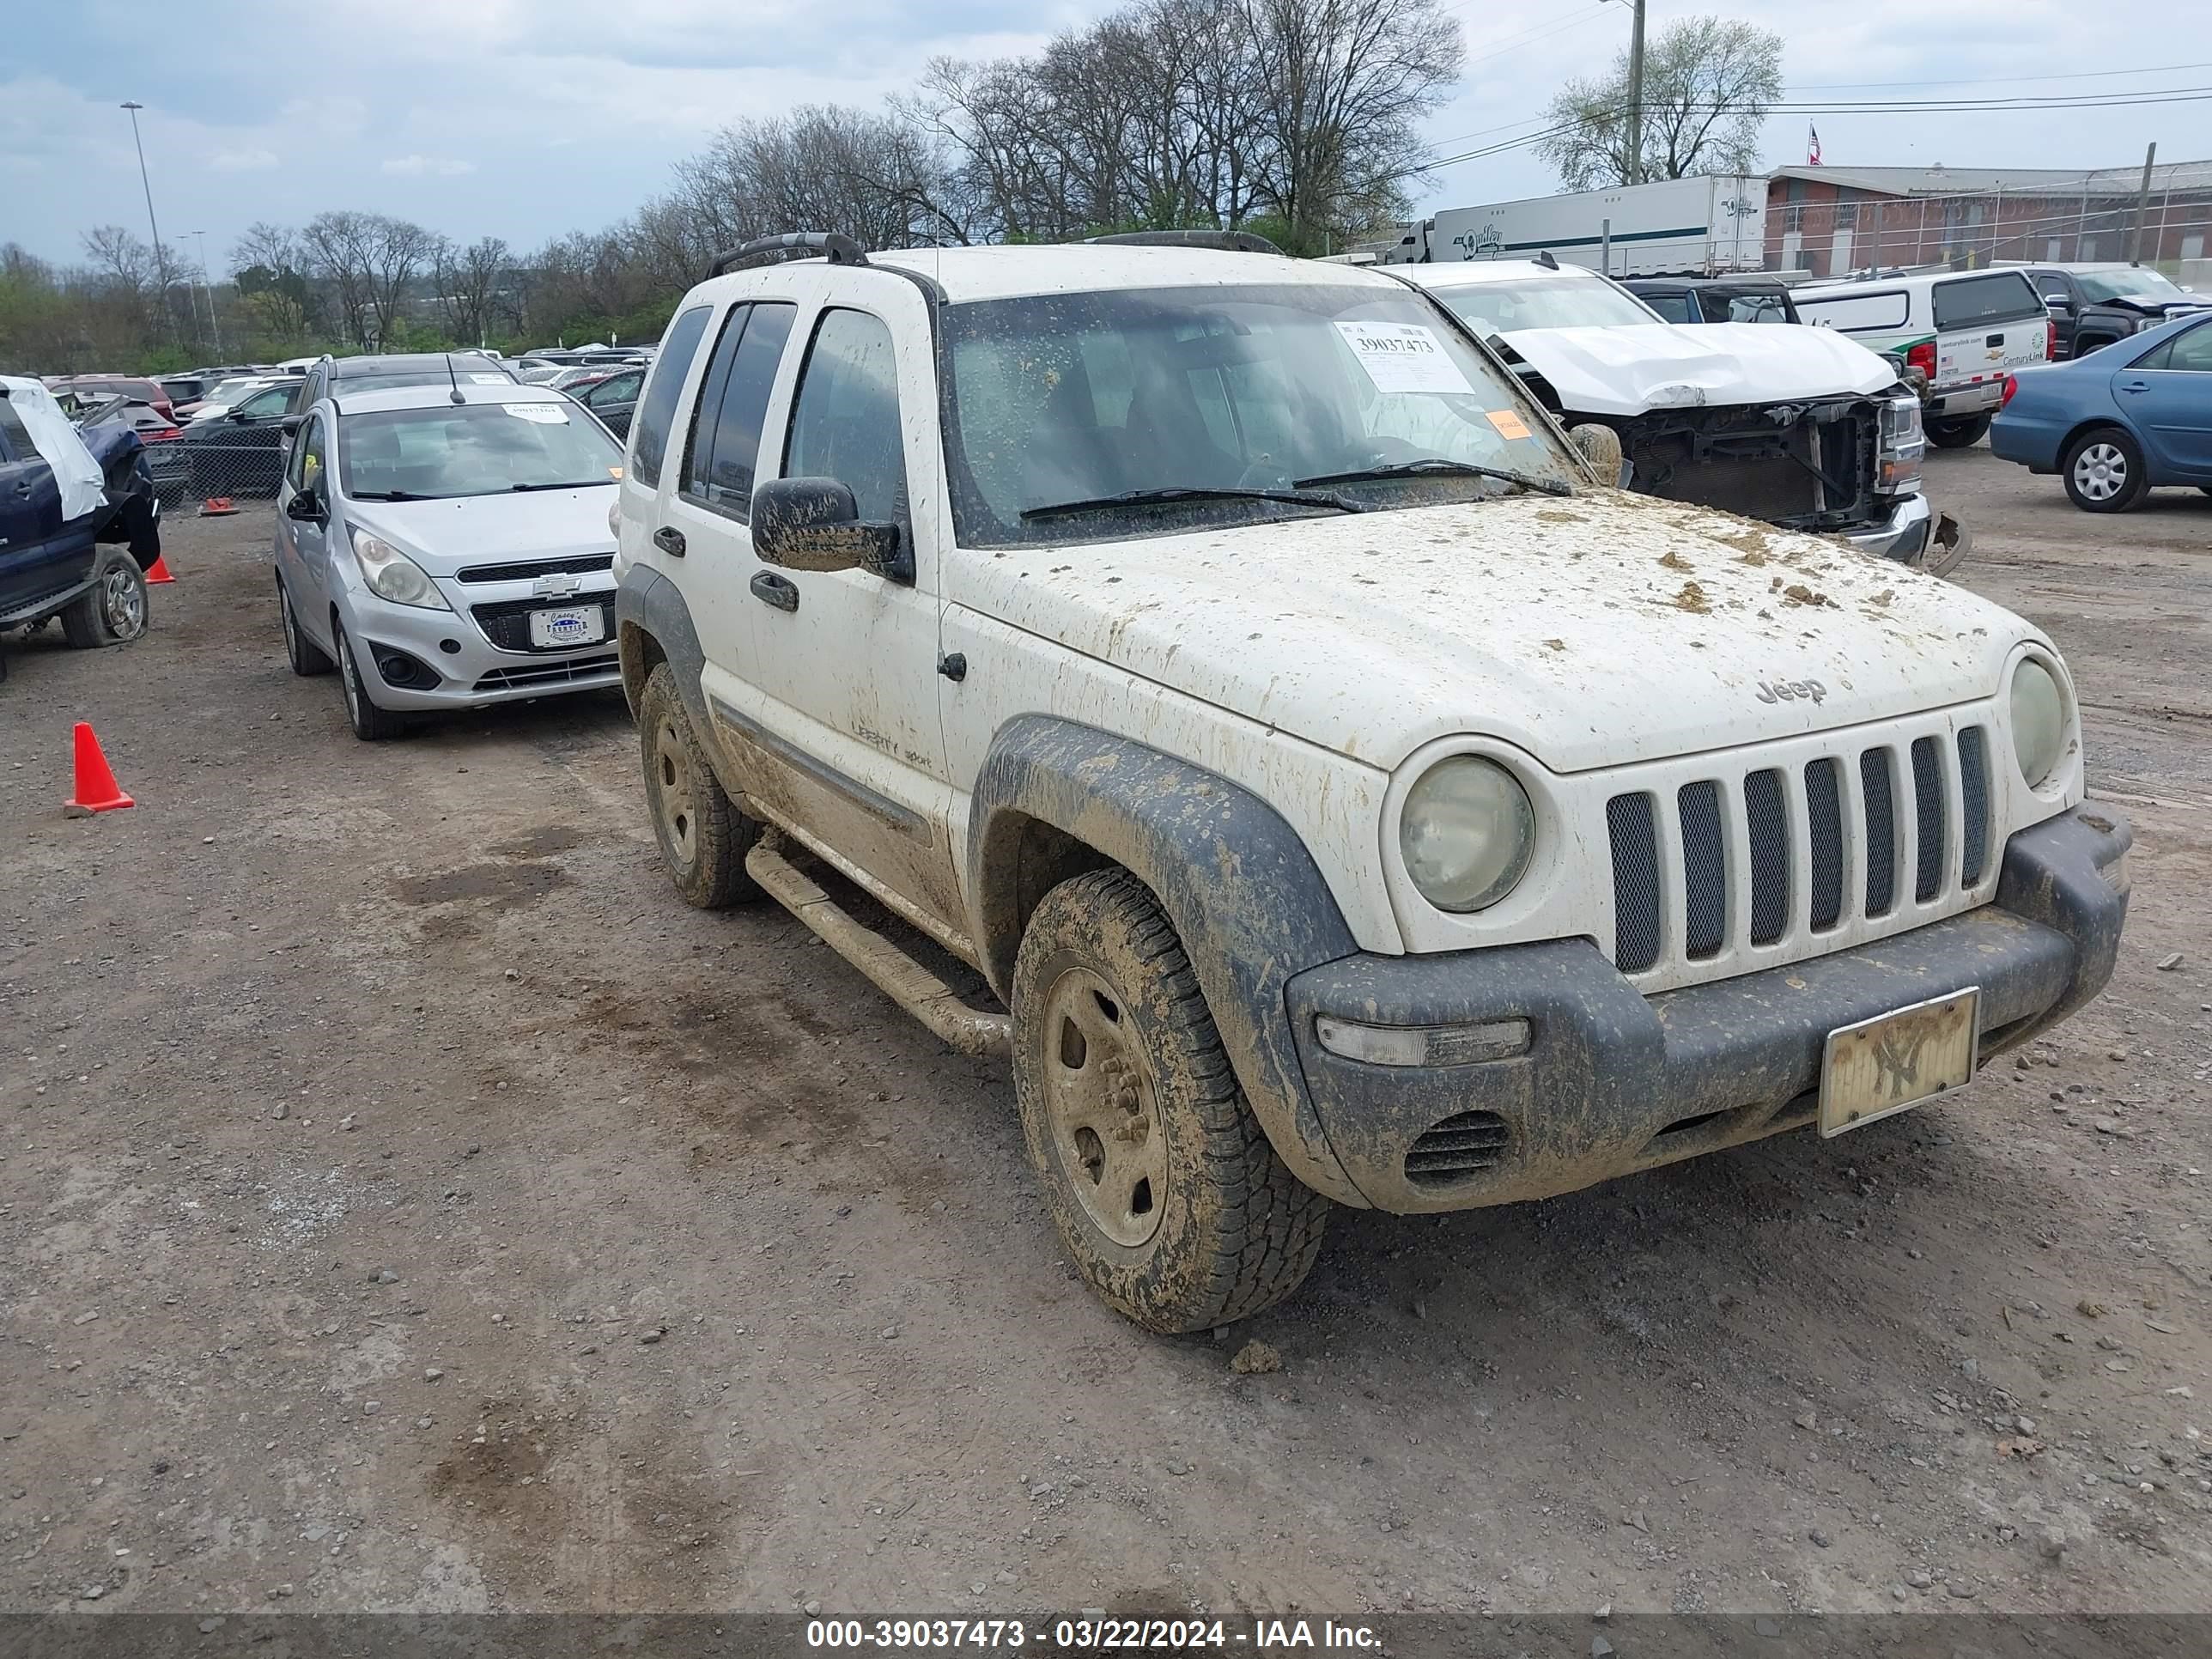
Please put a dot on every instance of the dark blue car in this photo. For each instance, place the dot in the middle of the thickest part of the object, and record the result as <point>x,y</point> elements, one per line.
<point>2119,422</point>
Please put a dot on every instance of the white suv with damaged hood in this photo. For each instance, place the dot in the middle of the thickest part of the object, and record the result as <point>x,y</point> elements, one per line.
<point>1799,427</point>
<point>1339,796</point>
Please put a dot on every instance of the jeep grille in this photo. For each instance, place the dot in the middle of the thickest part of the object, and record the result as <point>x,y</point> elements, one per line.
<point>1713,869</point>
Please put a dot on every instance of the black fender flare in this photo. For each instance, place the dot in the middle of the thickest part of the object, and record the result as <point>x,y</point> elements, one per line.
<point>1246,898</point>
<point>647,602</point>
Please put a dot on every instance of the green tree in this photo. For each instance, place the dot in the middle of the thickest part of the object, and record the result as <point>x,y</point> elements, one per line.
<point>1708,83</point>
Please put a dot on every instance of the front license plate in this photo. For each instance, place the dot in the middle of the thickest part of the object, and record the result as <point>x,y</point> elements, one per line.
<point>571,624</point>
<point>1881,1066</point>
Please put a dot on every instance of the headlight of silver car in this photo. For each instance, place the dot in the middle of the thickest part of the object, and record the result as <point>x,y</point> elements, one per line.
<point>1466,833</point>
<point>2039,722</point>
<point>391,574</point>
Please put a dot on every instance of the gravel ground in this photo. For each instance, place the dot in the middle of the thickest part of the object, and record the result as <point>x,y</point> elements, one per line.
<point>406,1202</point>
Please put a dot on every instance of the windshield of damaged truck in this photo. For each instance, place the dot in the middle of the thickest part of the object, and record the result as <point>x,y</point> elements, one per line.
<point>1147,412</point>
<point>1569,299</point>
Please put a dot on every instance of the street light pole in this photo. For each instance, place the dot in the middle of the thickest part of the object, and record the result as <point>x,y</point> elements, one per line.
<point>207,287</point>
<point>161,259</point>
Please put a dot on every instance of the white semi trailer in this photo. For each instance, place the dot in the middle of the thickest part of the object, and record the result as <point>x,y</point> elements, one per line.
<point>1708,225</point>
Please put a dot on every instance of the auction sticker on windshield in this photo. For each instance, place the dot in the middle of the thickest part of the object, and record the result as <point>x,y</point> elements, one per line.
<point>1405,357</point>
<point>544,414</point>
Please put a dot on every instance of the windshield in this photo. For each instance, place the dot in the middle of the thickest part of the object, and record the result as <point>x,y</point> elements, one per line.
<point>1076,398</point>
<point>472,449</point>
<point>229,392</point>
<point>1568,300</point>
<point>2130,282</point>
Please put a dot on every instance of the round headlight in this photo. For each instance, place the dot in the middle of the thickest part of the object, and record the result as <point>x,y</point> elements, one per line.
<point>1466,833</point>
<point>2039,722</point>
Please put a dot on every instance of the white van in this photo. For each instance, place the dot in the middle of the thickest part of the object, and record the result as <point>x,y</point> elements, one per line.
<point>1964,330</point>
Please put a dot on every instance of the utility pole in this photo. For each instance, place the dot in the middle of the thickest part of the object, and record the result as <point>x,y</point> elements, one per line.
<point>2142,210</point>
<point>1635,96</point>
<point>161,259</point>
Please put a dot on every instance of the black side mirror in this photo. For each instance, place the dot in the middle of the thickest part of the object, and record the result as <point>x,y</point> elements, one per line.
<point>291,423</point>
<point>305,507</point>
<point>814,524</point>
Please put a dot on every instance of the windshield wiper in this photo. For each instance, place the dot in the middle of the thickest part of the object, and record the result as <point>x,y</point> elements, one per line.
<point>1194,493</point>
<point>390,495</point>
<point>1440,469</point>
<point>573,484</point>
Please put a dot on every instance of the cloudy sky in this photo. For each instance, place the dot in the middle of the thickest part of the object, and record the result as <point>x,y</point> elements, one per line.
<point>526,118</point>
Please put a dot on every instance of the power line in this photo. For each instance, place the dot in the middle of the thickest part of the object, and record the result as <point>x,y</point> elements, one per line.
<point>1998,80</point>
<point>2026,102</point>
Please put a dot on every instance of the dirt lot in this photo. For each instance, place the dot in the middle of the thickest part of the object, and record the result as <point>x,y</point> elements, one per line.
<point>408,1203</point>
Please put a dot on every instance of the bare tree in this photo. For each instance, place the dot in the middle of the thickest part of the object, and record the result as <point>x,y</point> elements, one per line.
<point>468,281</point>
<point>1708,83</point>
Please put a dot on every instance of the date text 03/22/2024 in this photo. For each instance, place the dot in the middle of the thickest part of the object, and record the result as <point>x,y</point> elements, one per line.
<point>1091,1634</point>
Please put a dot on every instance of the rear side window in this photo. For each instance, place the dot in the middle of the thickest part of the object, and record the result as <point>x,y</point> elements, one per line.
<point>1858,313</point>
<point>649,432</point>
<point>2191,352</point>
<point>2002,296</point>
<point>15,437</point>
<point>725,438</point>
<point>845,422</point>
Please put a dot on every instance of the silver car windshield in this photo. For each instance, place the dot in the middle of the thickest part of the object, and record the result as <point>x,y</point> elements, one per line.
<point>1136,412</point>
<point>1566,300</point>
<point>472,449</point>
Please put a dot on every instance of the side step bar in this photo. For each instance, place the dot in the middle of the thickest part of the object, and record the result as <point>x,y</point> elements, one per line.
<point>895,974</point>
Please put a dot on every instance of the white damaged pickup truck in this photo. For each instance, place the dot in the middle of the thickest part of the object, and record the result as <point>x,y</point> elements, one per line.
<point>1803,427</point>
<point>1324,816</point>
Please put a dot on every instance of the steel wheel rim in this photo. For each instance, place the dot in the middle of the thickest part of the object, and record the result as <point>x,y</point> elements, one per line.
<point>1103,1109</point>
<point>2100,471</point>
<point>122,605</point>
<point>680,812</point>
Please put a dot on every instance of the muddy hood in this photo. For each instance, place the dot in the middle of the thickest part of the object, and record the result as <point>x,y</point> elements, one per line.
<point>1631,371</point>
<point>1591,632</point>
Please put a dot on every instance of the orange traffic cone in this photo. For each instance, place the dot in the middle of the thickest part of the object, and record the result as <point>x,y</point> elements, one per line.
<point>216,507</point>
<point>96,789</point>
<point>158,572</point>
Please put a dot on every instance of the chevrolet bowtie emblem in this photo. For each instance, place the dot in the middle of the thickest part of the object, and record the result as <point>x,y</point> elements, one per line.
<point>557,586</point>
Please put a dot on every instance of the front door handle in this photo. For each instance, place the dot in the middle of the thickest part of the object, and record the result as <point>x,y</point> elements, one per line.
<point>778,591</point>
<point>669,541</point>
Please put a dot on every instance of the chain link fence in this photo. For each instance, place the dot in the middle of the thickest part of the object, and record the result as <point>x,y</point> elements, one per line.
<point>2053,225</point>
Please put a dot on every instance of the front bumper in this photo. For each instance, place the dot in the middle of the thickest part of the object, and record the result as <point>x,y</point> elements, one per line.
<point>467,670</point>
<point>1902,536</point>
<point>1614,1081</point>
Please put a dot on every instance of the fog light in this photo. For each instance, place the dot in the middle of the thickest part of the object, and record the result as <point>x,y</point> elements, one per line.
<point>1422,1045</point>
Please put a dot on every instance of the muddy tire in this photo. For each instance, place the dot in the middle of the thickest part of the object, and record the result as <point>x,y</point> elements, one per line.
<point>1962,434</point>
<point>112,611</point>
<point>703,837</point>
<point>1161,1181</point>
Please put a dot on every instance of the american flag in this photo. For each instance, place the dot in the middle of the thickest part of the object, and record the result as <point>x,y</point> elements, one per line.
<point>1812,145</point>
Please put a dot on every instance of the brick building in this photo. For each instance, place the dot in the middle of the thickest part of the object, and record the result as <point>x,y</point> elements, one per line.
<point>1834,220</point>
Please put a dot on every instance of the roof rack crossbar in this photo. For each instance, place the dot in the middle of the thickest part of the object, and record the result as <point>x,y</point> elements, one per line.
<point>837,248</point>
<point>1233,242</point>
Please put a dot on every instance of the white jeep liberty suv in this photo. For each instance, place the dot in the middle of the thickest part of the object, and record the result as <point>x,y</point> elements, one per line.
<point>1346,800</point>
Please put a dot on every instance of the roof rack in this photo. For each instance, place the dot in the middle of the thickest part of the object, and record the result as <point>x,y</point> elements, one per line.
<point>837,249</point>
<point>1232,241</point>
